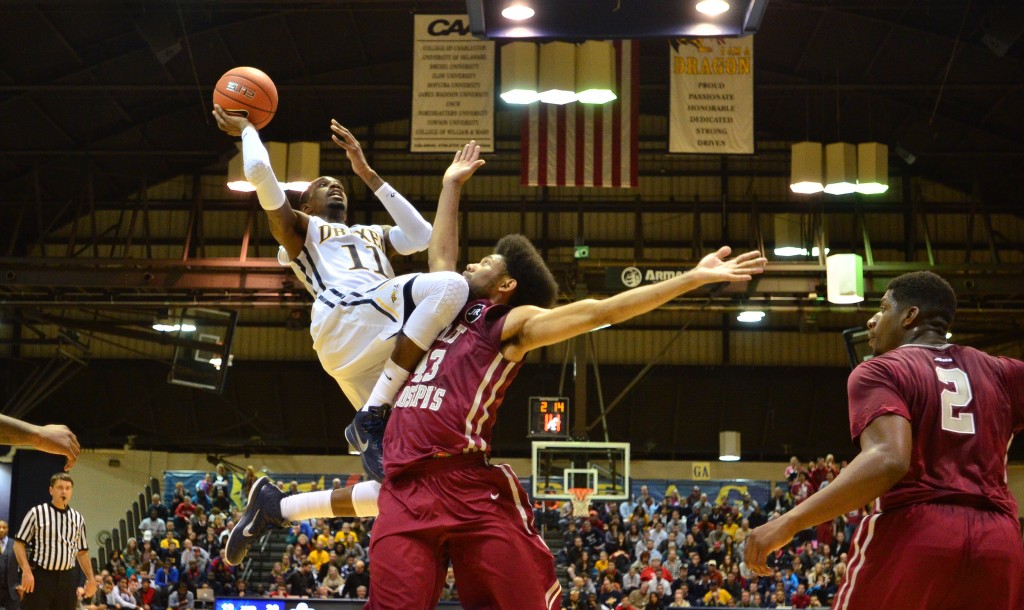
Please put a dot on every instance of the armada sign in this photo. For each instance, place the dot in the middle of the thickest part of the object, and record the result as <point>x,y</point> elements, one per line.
<point>631,277</point>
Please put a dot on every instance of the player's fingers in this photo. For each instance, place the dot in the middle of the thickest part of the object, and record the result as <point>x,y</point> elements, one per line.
<point>747,256</point>
<point>341,143</point>
<point>458,156</point>
<point>76,448</point>
<point>345,133</point>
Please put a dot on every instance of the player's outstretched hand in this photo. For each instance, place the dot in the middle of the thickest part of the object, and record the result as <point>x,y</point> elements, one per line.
<point>59,440</point>
<point>344,138</point>
<point>467,160</point>
<point>231,124</point>
<point>715,268</point>
<point>764,540</point>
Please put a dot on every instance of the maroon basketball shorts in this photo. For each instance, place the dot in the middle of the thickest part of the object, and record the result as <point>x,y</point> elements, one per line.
<point>459,509</point>
<point>934,557</point>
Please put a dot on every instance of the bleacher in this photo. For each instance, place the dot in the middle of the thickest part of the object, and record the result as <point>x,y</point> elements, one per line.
<point>262,556</point>
<point>126,528</point>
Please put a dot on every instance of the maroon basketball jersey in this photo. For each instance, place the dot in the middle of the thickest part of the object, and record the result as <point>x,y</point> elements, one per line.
<point>450,402</point>
<point>964,407</point>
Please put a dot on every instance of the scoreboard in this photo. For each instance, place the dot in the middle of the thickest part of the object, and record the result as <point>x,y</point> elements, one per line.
<point>549,417</point>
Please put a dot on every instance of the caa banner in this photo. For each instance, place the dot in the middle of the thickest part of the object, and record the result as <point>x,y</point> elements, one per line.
<point>452,86</point>
<point>712,95</point>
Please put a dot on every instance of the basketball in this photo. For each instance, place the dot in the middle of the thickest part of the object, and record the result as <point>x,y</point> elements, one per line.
<point>249,91</point>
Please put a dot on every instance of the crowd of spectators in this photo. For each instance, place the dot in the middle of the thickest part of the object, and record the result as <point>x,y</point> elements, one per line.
<point>644,553</point>
<point>681,552</point>
<point>179,553</point>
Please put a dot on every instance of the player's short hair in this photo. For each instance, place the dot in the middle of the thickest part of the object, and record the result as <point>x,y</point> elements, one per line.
<point>926,291</point>
<point>535,285</point>
<point>61,476</point>
<point>306,194</point>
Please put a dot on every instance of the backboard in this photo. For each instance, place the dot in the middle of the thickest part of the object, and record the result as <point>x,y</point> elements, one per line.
<point>561,465</point>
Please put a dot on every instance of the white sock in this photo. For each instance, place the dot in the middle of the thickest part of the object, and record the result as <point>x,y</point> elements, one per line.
<point>390,381</point>
<point>364,498</point>
<point>308,505</point>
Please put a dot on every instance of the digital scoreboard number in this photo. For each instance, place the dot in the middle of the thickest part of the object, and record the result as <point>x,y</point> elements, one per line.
<point>549,417</point>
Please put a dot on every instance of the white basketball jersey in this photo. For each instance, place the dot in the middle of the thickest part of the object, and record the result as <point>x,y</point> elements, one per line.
<point>337,256</point>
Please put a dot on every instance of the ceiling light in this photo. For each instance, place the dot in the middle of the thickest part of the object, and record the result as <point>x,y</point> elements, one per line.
<point>595,72</point>
<point>303,165</point>
<point>712,7</point>
<point>729,446</point>
<point>520,32</point>
<point>872,168</point>
<point>236,176</point>
<point>517,12</point>
<point>806,168</point>
<point>519,73</point>
<point>166,326</point>
<point>706,29</point>
<point>557,73</point>
<point>840,168</point>
<point>278,153</point>
<point>844,278</point>
<point>750,317</point>
<point>789,235</point>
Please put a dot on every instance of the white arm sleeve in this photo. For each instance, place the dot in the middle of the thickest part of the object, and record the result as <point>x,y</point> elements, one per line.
<point>258,172</point>
<point>413,232</point>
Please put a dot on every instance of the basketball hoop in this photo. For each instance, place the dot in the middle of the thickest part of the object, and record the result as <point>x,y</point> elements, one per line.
<point>581,500</point>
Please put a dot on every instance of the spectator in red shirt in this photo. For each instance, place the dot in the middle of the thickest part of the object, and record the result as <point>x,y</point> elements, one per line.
<point>800,599</point>
<point>655,569</point>
<point>801,490</point>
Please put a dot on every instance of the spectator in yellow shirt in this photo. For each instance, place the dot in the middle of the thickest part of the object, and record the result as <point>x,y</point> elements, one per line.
<point>730,527</point>
<point>318,556</point>
<point>717,596</point>
<point>345,535</point>
<point>165,543</point>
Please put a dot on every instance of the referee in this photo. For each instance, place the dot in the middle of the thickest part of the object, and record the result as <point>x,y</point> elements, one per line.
<point>56,534</point>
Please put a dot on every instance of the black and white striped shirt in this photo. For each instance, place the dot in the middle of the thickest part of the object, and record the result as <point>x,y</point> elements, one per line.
<point>54,537</point>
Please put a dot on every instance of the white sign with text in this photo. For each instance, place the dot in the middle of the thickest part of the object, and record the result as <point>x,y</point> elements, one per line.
<point>452,86</point>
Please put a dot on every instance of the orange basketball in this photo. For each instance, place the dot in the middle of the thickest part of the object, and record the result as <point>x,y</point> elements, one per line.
<point>249,91</point>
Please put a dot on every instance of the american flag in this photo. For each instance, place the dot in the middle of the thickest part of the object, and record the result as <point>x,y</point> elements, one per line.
<point>586,144</point>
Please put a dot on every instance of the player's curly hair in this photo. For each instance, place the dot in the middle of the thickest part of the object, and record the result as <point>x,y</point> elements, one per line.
<point>535,285</point>
<point>928,292</point>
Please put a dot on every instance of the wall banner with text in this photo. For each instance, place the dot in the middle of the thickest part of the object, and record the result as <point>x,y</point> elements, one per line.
<point>712,95</point>
<point>452,86</point>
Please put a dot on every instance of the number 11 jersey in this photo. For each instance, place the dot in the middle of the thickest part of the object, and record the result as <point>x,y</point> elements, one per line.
<point>341,257</point>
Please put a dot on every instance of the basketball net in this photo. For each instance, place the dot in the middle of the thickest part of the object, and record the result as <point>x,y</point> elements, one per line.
<point>581,500</point>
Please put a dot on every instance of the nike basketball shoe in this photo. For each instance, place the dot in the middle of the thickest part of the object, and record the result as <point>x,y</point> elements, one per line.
<point>262,512</point>
<point>366,433</point>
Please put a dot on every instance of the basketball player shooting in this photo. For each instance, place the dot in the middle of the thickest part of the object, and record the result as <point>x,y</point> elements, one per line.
<point>934,422</point>
<point>359,307</point>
